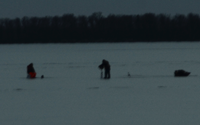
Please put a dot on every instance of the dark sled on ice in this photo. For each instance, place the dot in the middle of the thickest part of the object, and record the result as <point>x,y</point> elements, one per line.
<point>182,73</point>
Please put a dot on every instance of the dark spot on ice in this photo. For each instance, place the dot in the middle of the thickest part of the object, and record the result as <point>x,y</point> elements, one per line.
<point>42,76</point>
<point>18,89</point>
<point>129,75</point>
<point>161,87</point>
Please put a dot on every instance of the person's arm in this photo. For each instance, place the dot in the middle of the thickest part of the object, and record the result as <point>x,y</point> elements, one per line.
<point>101,66</point>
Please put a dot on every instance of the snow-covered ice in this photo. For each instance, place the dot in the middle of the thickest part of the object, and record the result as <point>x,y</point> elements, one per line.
<point>72,92</point>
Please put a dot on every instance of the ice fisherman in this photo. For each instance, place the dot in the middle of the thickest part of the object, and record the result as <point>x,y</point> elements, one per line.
<point>31,71</point>
<point>106,66</point>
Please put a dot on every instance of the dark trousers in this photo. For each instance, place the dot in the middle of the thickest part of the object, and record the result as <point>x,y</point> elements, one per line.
<point>107,74</point>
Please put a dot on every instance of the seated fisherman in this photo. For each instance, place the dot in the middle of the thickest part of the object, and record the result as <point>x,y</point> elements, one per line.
<point>31,71</point>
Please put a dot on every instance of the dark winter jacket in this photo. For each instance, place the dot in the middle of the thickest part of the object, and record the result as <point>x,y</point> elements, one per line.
<point>105,64</point>
<point>30,68</point>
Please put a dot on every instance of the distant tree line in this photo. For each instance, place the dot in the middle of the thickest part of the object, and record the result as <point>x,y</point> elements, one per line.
<point>98,28</point>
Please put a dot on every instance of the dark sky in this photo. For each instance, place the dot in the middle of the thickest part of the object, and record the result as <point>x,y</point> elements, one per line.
<point>39,8</point>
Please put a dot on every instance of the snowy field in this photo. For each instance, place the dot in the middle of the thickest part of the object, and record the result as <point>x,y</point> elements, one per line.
<point>72,92</point>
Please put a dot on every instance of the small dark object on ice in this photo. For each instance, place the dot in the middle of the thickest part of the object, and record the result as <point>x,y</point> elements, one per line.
<point>129,75</point>
<point>42,76</point>
<point>181,73</point>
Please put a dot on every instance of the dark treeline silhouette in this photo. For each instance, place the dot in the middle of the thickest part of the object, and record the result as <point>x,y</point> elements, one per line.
<point>98,28</point>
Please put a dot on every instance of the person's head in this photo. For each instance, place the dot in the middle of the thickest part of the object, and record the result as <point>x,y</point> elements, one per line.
<point>31,64</point>
<point>103,61</point>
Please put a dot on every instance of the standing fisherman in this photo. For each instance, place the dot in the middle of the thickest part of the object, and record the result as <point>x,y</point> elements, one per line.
<point>106,66</point>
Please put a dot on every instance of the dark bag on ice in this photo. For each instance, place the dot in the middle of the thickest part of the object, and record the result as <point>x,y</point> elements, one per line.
<point>181,73</point>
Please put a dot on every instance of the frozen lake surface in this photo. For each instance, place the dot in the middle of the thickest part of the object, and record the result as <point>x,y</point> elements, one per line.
<point>72,92</point>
